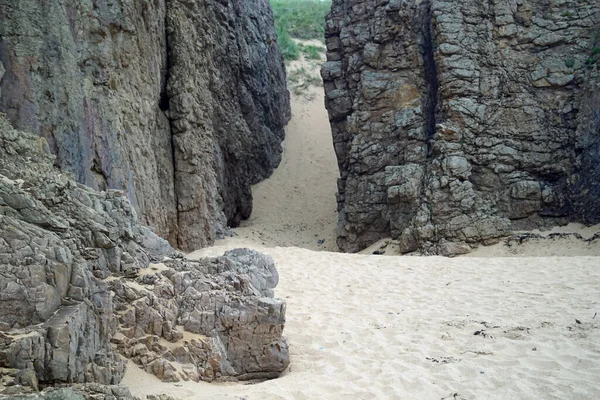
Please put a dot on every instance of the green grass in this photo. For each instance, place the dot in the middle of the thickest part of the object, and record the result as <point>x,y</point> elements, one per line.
<point>312,52</point>
<point>295,21</point>
<point>569,62</point>
<point>289,48</point>
<point>593,60</point>
<point>302,19</point>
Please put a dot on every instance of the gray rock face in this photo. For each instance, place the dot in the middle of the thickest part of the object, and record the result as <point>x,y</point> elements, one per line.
<point>181,104</point>
<point>456,121</point>
<point>76,392</point>
<point>228,105</point>
<point>214,319</point>
<point>58,240</point>
<point>75,283</point>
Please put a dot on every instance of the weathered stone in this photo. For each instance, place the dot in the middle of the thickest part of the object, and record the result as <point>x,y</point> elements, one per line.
<point>484,117</point>
<point>60,317</point>
<point>180,104</point>
<point>225,304</point>
<point>77,392</point>
<point>163,370</point>
<point>27,377</point>
<point>66,297</point>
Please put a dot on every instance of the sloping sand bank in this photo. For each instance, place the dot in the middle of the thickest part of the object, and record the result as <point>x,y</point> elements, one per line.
<point>366,327</point>
<point>296,206</point>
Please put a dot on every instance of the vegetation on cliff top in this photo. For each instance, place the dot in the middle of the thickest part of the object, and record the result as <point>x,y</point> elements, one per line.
<point>298,19</point>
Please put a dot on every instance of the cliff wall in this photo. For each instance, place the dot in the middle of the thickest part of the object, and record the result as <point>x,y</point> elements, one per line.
<point>77,290</point>
<point>457,121</point>
<point>181,104</point>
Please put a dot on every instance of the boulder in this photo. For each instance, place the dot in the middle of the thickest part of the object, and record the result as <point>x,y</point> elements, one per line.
<point>231,323</point>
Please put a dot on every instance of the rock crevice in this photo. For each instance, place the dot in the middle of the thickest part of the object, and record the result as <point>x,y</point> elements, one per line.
<point>432,86</point>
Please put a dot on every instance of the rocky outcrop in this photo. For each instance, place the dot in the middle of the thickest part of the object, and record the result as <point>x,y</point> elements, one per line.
<point>214,319</point>
<point>457,121</point>
<point>228,104</point>
<point>92,391</point>
<point>181,104</point>
<point>76,283</point>
<point>58,240</point>
<point>76,392</point>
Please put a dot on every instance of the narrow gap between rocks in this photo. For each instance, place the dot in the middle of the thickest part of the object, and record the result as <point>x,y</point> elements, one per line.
<point>165,105</point>
<point>430,105</point>
<point>297,206</point>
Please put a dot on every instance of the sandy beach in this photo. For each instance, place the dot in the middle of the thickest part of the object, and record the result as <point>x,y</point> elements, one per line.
<point>366,327</point>
<point>131,132</point>
<point>505,322</point>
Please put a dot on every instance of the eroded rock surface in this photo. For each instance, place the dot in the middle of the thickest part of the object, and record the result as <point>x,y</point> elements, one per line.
<point>181,104</point>
<point>91,391</point>
<point>455,122</point>
<point>76,288</point>
<point>58,240</point>
<point>204,320</point>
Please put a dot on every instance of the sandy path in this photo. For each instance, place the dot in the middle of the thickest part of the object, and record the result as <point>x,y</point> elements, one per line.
<point>296,206</point>
<point>366,327</point>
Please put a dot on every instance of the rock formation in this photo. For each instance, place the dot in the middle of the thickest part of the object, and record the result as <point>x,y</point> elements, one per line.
<point>181,104</point>
<point>205,320</point>
<point>457,121</point>
<point>76,392</point>
<point>76,282</point>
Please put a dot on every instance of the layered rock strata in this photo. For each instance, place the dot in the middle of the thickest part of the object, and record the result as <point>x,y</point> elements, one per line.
<point>181,104</point>
<point>75,288</point>
<point>455,122</point>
